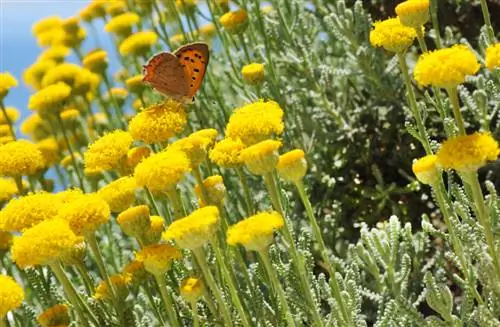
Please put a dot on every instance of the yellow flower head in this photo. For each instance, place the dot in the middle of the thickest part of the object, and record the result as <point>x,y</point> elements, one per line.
<point>12,114</point>
<point>122,24</point>
<point>392,35</point>
<point>134,84</point>
<point>55,316</point>
<point>136,155</point>
<point>107,152</point>
<point>194,146</point>
<point>207,30</point>
<point>157,258</point>
<point>34,125</point>
<point>70,115</point>
<point>177,39</point>
<point>186,5</point>
<point>135,221</point>
<point>56,53</point>
<point>65,72</point>
<point>162,171</point>
<point>116,8</point>
<point>11,295</point>
<point>256,232</point>
<point>253,73</point>
<point>493,56</point>
<point>96,61</point>
<point>156,228</point>
<point>120,284</point>
<point>413,13</point>
<point>159,122</point>
<point>94,9</point>
<point>5,241</point>
<point>256,122</point>
<point>50,99</point>
<point>226,153</point>
<point>292,166</point>
<point>234,21</point>
<point>35,73</point>
<point>20,158</point>
<point>135,269</point>
<point>5,130</point>
<point>50,151</point>
<point>195,230</point>
<point>8,189</point>
<point>446,68</point>
<point>67,36</point>
<point>191,289</point>
<point>467,153</point>
<point>43,243</point>
<point>75,255</point>
<point>426,169</point>
<point>139,43</point>
<point>208,133</point>
<point>85,213</point>
<point>119,194</point>
<point>46,24</point>
<point>7,81</point>
<point>262,157</point>
<point>216,190</point>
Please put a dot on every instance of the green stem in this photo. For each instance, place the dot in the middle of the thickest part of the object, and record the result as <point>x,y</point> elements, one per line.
<point>452,93</point>
<point>435,22</point>
<point>246,190</point>
<point>176,201</point>
<point>87,281</point>
<point>19,185</point>
<point>421,40</point>
<point>7,119</point>
<point>487,22</point>
<point>151,200</point>
<point>199,181</point>
<point>167,301</point>
<point>71,152</point>
<point>194,309</point>
<point>147,289</point>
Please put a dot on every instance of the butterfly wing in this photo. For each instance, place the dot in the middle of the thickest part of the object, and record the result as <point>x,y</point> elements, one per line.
<point>193,58</point>
<point>165,74</point>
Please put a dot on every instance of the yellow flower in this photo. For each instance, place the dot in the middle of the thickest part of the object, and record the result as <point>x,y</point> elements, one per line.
<point>107,152</point>
<point>493,56</point>
<point>426,169</point>
<point>256,232</point>
<point>8,189</point>
<point>49,149</point>
<point>96,61</point>
<point>65,72</point>
<point>446,68</point>
<point>5,130</point>
<point>392,35</point>
<point>35,73</point>
<point>135,269</point>
<point>467,153</point>
<point>208,133</point>
<point>195,147</point>
<point>256,122</point>
<point>5,241</point>
<point>70,115</point>
<point>85,213</point>
<point>6,139</point>
<point>135,221</point>
<point>69,195</point>
<point>67,161</point>
<point>292,166</point>
<point>116,8</point>
<point>122,24</point>
<point>46,24</point>
<point>119,194</point>
<point>136,155</point>
<point>56,53</point>
<point>413,13</point>
<point>262,157</point>
<point>183,5</point>
<point>267,9</point>
<point>226,153</point>
<point>120,284</point>
<point>7,81</point>
<point>177,39</point>
<point>12,114</point>
<point>43,243</point>
<point>234,21</point>
<point>134,84</point>
<point>11,295</point>
<point>195,230</point>
<point>157,258</point>
<point>139,43</point>
<point>156,228</point>
<point>50,99</point>
<point>191,289</point>
<point>20,158</point>
<point>159,122</point>
<point>55,316</point>
<point>253,73</point>
<point>163,170</point>
<point>216,190</point>
<point>75,255</point>
<point>207,30</point>
<point>94,9</point>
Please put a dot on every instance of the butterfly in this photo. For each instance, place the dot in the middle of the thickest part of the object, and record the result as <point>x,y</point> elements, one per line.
<point>178,75</point>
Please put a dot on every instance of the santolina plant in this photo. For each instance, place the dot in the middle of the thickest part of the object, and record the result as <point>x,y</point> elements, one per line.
<point>335,169</point>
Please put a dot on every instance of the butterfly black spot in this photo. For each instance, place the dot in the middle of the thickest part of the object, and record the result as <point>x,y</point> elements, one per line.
<point>194,78</point>
<point>192,85</point>
<point>193,99</point>
<point>203,62</point>
<point>196,70</point>
<point>183,65</point>
<point>186,58</point>
<point>192,60</point>
<point>179,55</point>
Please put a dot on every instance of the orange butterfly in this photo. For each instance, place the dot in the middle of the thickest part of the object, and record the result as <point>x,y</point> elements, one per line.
<point>178,75</point>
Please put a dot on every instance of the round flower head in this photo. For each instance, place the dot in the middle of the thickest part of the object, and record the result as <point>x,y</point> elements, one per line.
<point>35,73</point>
<point>262,157</point>
<point>50,99</point>
<point>253,73</point>
<point>11,295</point>
<point>107,152</point>
<point>7,81</point>
<point>5,130</point>
<point>445,68</point>
<point>208,133</point>
<point>159,122</point>
<point>163,170</point>
<point>44,243</point>
<point>46,24</point>
<point>136,270</point>
<point>292,166</point>
<point>5,241</point>
<point>54,316</point>
<point>12,114</point>
<point>138,44</point>
<point>70,115</point>
<point>29,210</point>
<point>56,53</point>
<point>75,255</point>
<point>255,122</point>
<point>156,228</point>
<point>135,221</point>
<point>216,190</point>
<point>65,72</point>
<point>177,39</point>
<point>234,21</point>
<point>195,147</point>
<point>116,8</point>
<point>120,284</point>
<point>96,61</point>
<point>207,30</point>
<point>226,153</point>
<point>136,155</point>
<point>256,232</point>
<point>94,9</point>
<point>20,158</point>
<point>468,153</point>
<point>134,84</point>
<point>119,194</point>
<point>193,231</point>
<point>157,258</point>
<point>413,13</point>
<point>191,289</point>
<point>8,189</point>
<point>85,213</point>
<point>493,56</point>
<point>426,169</point>
<point>50,151</point>
<point>122,24</point>
<point>392,35</point>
